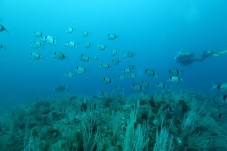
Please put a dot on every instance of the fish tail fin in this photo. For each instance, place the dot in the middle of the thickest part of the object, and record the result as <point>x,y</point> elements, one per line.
<point>214,86</point>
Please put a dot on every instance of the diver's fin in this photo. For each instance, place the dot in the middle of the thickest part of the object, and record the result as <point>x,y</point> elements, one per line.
<point>219,53</point>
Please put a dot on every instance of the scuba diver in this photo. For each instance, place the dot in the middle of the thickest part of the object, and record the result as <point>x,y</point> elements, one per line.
<point>189,57</point>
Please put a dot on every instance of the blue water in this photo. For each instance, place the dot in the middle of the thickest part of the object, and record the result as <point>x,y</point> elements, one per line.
<point>156,30</point>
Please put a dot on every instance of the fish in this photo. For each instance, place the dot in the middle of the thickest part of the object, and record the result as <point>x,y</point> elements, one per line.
<point>84,58</point>
<point>69,30</point>
<point>101,47</point>
<point>95,57</point>
<point>87,45</point>
<point>112,36</point>
<point>71,44</point>
<point>69,75</point>
<point>35,55</point>
<point>150,73</point>
<point>122,77</point>
<point>174,72</point>
<point>104,66</point>
<point>37,34</point>
<point>2,28</point>
<point>114,52</point>
<point>220,100</point>
<point>132,76</point>
<point>137,87</point>
<point>145,84</point>
<point>2,46</point>
<point>175,79</point>
<point>119,88</point>
<point>132,67</point>
<point>59,55</point>
<point>49,39</point>
<point>60,89</point>
<point>80,69</point>
<point>220,86</point>
<point>85,34</point>
<point>127,70</point>
<point>106,80</point>
<point>115,61</point>
<point>160,85</point>
<point>36,44</point>
<point>220,116</point>
<point>129,54</point>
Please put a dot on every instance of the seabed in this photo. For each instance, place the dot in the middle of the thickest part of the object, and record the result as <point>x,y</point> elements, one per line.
<point>164,121</point>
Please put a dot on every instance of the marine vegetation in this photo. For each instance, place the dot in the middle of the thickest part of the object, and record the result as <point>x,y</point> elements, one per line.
<point>166,121</point>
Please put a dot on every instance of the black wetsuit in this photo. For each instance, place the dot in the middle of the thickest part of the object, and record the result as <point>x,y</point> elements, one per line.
<point>186,59</point>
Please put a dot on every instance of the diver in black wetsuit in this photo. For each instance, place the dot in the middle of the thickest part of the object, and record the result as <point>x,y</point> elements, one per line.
<point>189,57</point>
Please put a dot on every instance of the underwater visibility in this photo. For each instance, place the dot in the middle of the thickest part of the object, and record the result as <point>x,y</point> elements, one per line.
<point>113,75</point>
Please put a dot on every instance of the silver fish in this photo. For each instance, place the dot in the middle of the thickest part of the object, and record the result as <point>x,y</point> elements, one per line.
<point>71,44</point>
<point>104,66</point>
<point>137,87</point>
<point>49,39</point>
<point>69,30</point>
<point>129,54</point>
<point>112,36</point>
<point>84,58</point>
<point>85,34</point>
<point>69,75</point>
<point>80,69</point>
<point>101,47</point>
<point>59,55</point>
<point>35,55</point>
<point>175,79</point>
<point>37,34</point>
<point>87,45</point>
<point>115,61</point>
<point>60,89</point>
<point>221,86</point>
<point>106,80</point>
<point>36,44</point>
